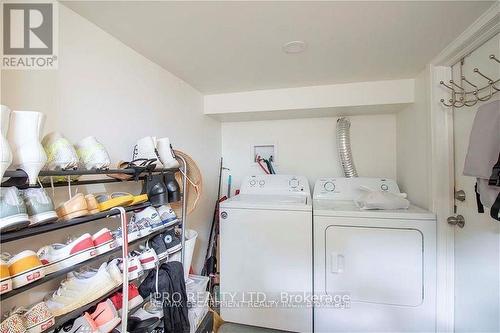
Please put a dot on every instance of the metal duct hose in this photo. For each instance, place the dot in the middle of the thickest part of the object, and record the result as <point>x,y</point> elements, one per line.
<point>344,147</point>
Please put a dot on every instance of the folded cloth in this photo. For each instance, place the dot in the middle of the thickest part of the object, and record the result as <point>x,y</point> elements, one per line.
<point>484,142</point>
<point>372,199</point>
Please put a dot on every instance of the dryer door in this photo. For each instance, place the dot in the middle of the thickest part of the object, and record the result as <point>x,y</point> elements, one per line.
<point>375,265</point>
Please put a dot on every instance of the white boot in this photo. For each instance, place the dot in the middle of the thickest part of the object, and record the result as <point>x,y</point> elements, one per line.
<point>167,156</point>
<point>145,148</point>
<point>5,152</point>
<point>24,138</point>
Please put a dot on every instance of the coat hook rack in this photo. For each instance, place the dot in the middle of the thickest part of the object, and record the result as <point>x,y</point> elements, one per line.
<point>461,97</point>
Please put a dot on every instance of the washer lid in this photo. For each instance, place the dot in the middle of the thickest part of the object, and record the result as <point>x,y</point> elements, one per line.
<point>347,208</point>
<point>259,201</point>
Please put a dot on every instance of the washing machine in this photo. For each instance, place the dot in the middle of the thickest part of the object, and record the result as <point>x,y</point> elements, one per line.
<point>374,270</point>
<point>266,254</point>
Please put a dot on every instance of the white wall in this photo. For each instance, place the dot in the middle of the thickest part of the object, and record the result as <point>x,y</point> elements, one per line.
<point>104,88</point>
<point>307,146</point>
<point>413,144</point>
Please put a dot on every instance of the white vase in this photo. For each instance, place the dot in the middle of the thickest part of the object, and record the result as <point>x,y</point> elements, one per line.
<point>25,130</point>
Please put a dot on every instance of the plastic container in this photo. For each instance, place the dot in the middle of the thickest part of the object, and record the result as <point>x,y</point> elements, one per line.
<point>189,244</point>
<point>197,284</point>
<point>198,311</point>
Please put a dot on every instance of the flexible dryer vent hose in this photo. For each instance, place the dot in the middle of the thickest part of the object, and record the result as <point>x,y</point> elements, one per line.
<point>344,147</point>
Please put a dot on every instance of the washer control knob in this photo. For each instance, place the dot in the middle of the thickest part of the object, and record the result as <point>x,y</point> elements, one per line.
<point>384,187</point>
<point>329,186</point>
<point>253,182</point>
<point>262,183</point>
<point>294,183</point>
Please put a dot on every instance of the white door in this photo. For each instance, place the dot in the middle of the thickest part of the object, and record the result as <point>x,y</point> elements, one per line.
<point>477,245</point>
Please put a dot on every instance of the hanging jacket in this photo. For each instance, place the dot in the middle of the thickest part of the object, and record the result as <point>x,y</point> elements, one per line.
<point>167,282</point>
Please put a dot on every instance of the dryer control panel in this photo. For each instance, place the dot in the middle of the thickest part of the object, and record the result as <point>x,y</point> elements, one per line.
<point>341,188</point>
<point>275,184</point>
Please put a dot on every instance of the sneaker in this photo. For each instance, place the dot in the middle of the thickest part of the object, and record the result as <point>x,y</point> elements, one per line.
<point>103,241</point>
<point>111,267</point>
<point>149,310</point>
<point>147,257</point>
<point>158,245</point>
<point>134,233</point>
<point>172,242</point>
<point>5,280</point>
<point>82,324</point>
<point>39,206</point>
<point>15,323</point>
<point>79,290</point>
<point>148,219</point>
<point>134,298</point>
<point>105,316</point>
<point>24,268</point>
<point>146,148</point>
<point>167,215</point>
<point>138,325</point>
<point>56,257</point>
<point>92,154</point>
<point>166,153</point>
<point>36,319</point>
<point>60,152</point>
<point>135,269</point>
<point>13,213</point>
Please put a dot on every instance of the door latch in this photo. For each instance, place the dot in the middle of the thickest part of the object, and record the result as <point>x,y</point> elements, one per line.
<point>460,195</point>
<point>458,220</point>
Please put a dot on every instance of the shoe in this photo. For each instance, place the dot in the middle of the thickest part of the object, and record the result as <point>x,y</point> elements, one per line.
<point>105,316</point>
<point>158,245</point>
<point>135,269</point>
<point>167,215</point>
<point>136,199</point>
<point>56,257</point>
<point>5,152</point>
<point>111,267</point>
<point>147,218</point>
<point>25,129</point>
<point>36,319</point>
<point>82,324</point>
<point>147,258</point>
<point>92,154</point>
<point>173,188</point>
<point>74,207</point>
<point>166,154</point>
<point>134,298</point>
<point>79,290</point>
<point>5,280</point>
<point>172,242</point>
<point>92,204</point>
<point>134,233</point>
<point>156,190</point>
<point>138,325</point>
<point>13,213</point>
<point>107,201</point>
<point>103,241</point>
<point>145,148</point>
<point>24,268</point>
<point>61,155</point>
<point>39,206</point>
<point>15,323</point>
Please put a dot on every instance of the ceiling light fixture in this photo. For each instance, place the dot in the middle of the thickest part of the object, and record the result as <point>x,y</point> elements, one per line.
<point>293,47</point>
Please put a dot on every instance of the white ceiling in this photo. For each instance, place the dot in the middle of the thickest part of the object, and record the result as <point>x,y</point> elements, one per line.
<point>237,46</point>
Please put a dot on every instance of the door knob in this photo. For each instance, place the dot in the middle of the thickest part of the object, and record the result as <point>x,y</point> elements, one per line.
<point>457,220</point>
<point>460,195</point>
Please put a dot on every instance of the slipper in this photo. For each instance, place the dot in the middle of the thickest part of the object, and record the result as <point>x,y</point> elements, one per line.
<point>92,204</point>
<point>139,165</point>
<point>106,201</point>
<point>137,198</point>
<point>74,207</point>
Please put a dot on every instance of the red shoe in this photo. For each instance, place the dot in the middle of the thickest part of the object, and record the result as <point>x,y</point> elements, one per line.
<point>134,298</point>
<point>103,241</point>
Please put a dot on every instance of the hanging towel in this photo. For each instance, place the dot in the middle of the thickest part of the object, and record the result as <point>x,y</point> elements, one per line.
<point>483,153</point>
<point>373,199</point>
<point>484,142</point>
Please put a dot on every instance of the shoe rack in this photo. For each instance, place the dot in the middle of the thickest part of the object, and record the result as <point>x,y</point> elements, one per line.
<point>19,179</point>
